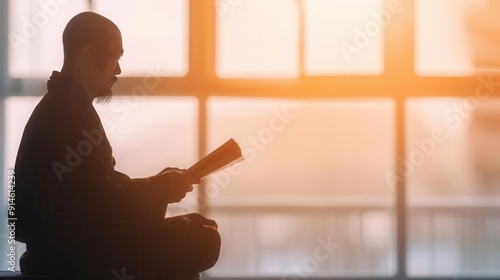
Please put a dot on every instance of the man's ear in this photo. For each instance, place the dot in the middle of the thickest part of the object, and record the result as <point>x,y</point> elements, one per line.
<point>88,51</point>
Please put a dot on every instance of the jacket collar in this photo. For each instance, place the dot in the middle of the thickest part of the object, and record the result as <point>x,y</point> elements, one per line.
<point>63,85</point>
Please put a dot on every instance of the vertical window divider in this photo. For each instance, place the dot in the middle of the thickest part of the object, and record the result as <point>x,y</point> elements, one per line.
<point>4,49</point>
<point>399,52</point>
<point>400,188</point>
<point>4,88</point>
<point>202,32</point>
<point>302,37</point>
<point>202,202</point>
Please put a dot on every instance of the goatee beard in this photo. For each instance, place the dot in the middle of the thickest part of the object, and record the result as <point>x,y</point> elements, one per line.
<point>104,99</point>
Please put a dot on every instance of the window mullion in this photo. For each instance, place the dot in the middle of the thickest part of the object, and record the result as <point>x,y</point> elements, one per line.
<point>399,36</point>
<point>399,67</point>
<point>302,37</point>
<point>4,89</point>
<point>400,190</point>
<point>4,46</point>
<point>202,32</point>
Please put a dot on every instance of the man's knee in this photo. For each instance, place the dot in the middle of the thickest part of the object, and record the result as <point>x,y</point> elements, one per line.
<point>195,236</point>
<point>212,246</point>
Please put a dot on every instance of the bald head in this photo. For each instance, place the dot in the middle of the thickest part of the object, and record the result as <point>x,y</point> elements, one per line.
<point>92,49</point>
<point>90,28</point>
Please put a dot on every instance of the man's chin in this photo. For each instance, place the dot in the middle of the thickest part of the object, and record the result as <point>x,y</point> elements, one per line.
<point>105,98</point>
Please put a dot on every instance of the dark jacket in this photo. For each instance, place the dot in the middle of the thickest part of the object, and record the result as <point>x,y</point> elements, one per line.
<point>75,212</point>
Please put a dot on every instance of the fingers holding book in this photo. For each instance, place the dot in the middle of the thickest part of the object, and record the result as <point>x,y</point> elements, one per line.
<point>173,183</point>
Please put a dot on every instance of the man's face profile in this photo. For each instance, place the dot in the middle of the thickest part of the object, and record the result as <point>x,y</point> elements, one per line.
<point>105,68</point>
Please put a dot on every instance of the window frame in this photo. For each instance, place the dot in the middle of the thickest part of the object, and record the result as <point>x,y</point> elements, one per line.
<point>398,82</point>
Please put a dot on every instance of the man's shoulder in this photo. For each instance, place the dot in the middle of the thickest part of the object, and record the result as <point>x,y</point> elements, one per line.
<point>52,105</point>
<point>52,111</point>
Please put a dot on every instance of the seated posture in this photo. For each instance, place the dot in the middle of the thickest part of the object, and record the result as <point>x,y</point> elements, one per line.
<point>79,217</point>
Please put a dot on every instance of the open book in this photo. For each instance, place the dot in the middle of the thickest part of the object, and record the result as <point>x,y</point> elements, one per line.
<point>227,154</point>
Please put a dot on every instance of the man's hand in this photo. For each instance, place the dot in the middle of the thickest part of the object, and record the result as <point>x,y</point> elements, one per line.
<point>173,184</point>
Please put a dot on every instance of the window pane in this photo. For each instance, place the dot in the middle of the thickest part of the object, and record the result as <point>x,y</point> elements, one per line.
<point>299,182</point>
<point>155,34</point>
<point>151,133</point>
<point>345,36</point>
<point>35,35</point>
<point>453,172</point>
<point>257,38</point>
<point>147,134</point>
<point>456,37</point>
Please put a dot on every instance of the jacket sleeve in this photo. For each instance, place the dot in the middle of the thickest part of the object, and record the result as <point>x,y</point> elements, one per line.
<point>93,191</point>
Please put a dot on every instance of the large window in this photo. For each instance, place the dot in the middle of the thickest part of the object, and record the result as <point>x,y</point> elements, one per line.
<point>370,127</point>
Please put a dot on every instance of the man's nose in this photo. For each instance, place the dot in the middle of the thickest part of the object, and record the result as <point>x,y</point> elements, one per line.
<point>118,69</point>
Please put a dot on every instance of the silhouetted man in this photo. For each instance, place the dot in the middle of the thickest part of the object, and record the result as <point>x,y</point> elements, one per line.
<point>76,213</point>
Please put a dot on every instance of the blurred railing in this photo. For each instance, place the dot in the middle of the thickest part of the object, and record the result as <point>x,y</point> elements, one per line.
<point>280,238</point>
